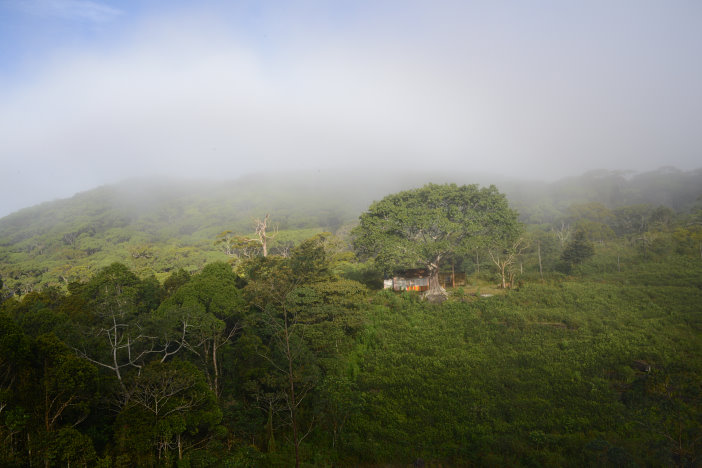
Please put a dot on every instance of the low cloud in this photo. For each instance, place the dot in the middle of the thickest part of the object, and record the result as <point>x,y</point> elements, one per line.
<point>191,95</point>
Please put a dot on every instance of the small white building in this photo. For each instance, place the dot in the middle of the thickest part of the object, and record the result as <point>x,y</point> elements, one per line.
<point>418,280</point>
<point>409,280</point>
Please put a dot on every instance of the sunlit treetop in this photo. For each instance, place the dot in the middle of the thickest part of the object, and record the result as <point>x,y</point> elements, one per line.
<point>420,227</point>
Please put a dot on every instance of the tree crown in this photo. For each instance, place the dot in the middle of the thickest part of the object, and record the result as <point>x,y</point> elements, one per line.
<point>419,226</point>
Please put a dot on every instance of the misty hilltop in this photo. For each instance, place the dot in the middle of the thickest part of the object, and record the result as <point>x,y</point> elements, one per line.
<point>156,225</point>
<point>94,92</point>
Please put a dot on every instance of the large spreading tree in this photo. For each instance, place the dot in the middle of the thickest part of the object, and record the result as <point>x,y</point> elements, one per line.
<point>421,227</point>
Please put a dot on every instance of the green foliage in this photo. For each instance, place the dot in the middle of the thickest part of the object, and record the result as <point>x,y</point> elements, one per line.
<point>157,227</point>
<point>536,375</point>
<point>292,354</point>
<point>201,316</point>
<point>417,227</point>
<point>215,289</point>
<point>175,281</point>
<point>170,404</point>
<point>70,240</point>
<point>542,375</point>
<point>576,251</point>
<point>70,447</point>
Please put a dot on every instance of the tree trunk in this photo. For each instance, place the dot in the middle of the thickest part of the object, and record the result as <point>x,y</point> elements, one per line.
<point>538,250</point>
<point>180,448</point>
<point>435,292</point>
<point>292,401</point>
<point>263,236</point>
<point>434,285</point>
<point>46,403</point>
<point>269,429</point>
<point>214,366</point>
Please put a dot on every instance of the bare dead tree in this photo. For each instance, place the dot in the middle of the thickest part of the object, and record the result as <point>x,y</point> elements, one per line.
<point>283,249</point>
<point>172,345</point>
<point>226,240</point>
<point>262,233</point>
<point>248,247</point>
<point>127,342</point>
<point>123,352</point>
<point>563,233</point>
<point>506,258</point>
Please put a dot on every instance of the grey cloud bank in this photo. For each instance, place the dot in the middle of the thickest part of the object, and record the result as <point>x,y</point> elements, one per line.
<point>542,92</point>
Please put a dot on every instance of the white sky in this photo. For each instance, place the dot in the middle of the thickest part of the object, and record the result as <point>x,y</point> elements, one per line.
<point>93,92</point>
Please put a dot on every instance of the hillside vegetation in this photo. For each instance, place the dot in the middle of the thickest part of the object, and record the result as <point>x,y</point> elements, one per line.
<point>158,226</point>
<point>181,355</point>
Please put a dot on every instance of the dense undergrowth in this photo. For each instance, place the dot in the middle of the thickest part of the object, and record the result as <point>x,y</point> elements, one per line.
<point>183,356</point>
<point>554,373</point>
<point>543,376</point>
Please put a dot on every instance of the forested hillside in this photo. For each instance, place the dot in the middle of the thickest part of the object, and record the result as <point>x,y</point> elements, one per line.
<point>157,226</point>
<point>145,325</point>
<point>289,360</point>
<point>363,234</point>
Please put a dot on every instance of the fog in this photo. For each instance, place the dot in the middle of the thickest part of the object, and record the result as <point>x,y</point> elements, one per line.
<point>94,92</point>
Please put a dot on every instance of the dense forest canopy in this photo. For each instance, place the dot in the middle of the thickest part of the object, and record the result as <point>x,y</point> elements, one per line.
<point>133,332</point>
